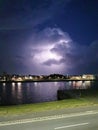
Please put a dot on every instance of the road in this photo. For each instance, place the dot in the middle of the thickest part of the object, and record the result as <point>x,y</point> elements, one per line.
<point>77,119</point>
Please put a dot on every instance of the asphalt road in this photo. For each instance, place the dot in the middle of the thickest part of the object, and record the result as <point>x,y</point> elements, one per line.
<point>75,119</point>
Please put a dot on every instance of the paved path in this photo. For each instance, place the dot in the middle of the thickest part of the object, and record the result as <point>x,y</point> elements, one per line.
<point>68,119</point>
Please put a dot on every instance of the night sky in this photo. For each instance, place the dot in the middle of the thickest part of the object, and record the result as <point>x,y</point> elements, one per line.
<point>49,36</point>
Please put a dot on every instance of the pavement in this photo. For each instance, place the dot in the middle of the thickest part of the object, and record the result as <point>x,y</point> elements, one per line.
<point>83,118</point>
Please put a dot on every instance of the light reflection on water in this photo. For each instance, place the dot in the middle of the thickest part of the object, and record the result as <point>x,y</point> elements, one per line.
<point>19,84</point>
<point>19,88</point>
<point>13,84</point>
<point>18,93</point>
<point>87,84</point>
<point>35,83</point>
<point>13,89</point>
<point>4,84</point>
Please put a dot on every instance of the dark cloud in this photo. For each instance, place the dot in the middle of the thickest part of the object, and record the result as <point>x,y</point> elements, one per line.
<point>52,62</point>
<point>49,36</point>
<point>27,13</point>
<point>19,58</point>
<point>86,61</point>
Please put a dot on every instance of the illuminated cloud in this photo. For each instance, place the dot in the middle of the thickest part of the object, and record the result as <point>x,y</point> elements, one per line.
<point>39,37</point>
<point>53,51</point>
<point>48,50</point>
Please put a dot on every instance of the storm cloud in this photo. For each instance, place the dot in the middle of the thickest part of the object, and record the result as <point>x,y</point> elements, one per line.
<point>48,36</point>
<point>53,48</point>
<point>50,50</point>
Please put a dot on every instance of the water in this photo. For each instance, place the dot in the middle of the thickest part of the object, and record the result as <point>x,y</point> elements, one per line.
<point>20,93</point>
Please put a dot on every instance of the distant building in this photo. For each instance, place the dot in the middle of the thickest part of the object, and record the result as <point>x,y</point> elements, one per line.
<point>88,76</point>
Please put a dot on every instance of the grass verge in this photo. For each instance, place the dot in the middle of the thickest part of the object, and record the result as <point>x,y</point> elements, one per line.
<point>39,107</point>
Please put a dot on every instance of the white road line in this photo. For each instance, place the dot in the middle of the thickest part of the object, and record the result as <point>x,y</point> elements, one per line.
<point>75,125</point>
<point>89,111</point>
<point>31,120</point>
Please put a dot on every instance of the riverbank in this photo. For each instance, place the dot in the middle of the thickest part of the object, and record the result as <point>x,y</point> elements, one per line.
<point>47,106</point>
<point>47,80</point>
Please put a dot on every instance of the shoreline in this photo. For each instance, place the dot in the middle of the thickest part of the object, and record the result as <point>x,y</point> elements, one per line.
<point>16,110</point>
<point>55,80</point>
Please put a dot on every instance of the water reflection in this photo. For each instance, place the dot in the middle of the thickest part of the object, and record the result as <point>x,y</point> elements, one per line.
<point>4,87</point>
<point>79,85</point>
<point>35,83</point>
<point>13,90</point>
<point>4,84</point>
<point>87,84</point>
<point>55,83</point>
<point>18,93</point>
<point>19,84</point>
<point>13,84</point>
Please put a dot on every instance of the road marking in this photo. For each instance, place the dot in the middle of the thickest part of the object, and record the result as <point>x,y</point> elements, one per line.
<point>31,120</point>
<point>68,126</point>
<point>89,111</point>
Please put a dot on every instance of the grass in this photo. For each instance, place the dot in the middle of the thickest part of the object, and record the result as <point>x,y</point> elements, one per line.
<point>39,107</point>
